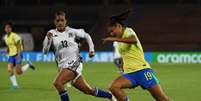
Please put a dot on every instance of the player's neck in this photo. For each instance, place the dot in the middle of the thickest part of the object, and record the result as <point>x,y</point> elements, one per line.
<point>9,33</point>
<point>61,30</point>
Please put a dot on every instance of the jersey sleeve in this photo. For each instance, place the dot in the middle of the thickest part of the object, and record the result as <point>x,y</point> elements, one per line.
<point>80,33</point>
<point>130,32</point>
<point>17,38</point>
<point>46,45</point>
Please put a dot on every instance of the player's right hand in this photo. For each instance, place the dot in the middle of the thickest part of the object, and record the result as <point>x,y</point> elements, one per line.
<point>49,35</point>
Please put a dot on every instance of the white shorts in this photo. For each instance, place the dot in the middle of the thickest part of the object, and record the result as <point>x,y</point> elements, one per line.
<point>73,64</point>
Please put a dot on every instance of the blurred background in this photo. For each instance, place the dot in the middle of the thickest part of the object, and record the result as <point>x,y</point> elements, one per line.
<point>161,25</point>
<point>169,31</point>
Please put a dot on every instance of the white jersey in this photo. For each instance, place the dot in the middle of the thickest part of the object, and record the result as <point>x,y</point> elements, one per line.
<point>65,48</point>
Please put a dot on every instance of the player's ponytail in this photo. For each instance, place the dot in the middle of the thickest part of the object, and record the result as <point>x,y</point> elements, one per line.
<point>119,18</point>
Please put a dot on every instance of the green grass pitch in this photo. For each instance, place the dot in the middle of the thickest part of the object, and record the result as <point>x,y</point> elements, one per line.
<point>182,82</point>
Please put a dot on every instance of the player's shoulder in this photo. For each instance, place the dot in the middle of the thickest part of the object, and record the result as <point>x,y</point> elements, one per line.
<point>130,31</point>
<point>73,29</point>
<point>52,31</point>
<point>79,32</point>
<point>14,35</point>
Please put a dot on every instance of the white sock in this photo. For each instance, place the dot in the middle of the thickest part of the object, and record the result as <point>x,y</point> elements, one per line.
<point>25,67</point>
<point>13,80</point>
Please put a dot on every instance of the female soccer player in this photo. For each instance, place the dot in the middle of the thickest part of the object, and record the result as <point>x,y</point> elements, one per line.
<point>68,59</point>
<point>14,49</point>
<point>137,70</point>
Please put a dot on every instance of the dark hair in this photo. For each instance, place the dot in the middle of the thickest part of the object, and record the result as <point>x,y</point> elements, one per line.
<point>60,13</point>
<point>10,23</point>
<point>119,18</point>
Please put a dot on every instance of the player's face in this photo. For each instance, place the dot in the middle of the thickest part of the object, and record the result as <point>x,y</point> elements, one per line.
<point>115,30</point>
<point>8,29</point>
<point>60,22</point>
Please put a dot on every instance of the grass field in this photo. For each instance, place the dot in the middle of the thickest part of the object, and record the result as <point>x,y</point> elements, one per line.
<point>181,82</point>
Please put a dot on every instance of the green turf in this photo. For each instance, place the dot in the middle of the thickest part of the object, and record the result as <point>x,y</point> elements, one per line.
<point>181,82</point>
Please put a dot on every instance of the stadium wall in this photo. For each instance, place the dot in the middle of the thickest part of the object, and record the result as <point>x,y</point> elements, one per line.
<point>107,56</point>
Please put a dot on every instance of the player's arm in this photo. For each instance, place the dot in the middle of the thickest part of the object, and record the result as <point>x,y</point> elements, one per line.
<point>19,47</point>
<point>129,40</point>
<point>18,43</point>
<point>47,42</point>
<point>91,45</point>
<point>82,34</point>
<point>22,45</point>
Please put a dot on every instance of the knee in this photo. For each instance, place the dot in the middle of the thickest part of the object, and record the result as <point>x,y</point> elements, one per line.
<point>57,84</point>
<point>10,71</point>
<point>18,72</point>
<point>18,69</point>
<point>114,87</point>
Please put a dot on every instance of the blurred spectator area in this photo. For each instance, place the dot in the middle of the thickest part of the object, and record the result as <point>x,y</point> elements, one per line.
<point>161,26</point>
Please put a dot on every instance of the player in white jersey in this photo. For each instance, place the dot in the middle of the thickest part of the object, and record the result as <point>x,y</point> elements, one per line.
<point>68,59</point>
<point>118,61</point>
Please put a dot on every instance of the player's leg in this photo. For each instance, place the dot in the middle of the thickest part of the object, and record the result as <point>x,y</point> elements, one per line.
<point>157,92</point>
<point>12,77</point>
<point>117,86</point>
<point>83,86</point>
<point>64,76</point>
<point>148,80</point>
<point>21,69</point>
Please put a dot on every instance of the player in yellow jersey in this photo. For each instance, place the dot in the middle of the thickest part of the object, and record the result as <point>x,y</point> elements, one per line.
<point>137,71</point>
<point>14,49</point>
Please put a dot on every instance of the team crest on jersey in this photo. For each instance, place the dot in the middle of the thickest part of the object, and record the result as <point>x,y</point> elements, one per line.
<point>70,35</point>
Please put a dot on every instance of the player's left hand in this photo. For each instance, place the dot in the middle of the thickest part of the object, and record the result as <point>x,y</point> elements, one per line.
<point>91,54</point>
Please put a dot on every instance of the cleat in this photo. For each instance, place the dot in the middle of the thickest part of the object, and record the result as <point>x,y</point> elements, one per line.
<point>31,65</point>
<point>14,87</point>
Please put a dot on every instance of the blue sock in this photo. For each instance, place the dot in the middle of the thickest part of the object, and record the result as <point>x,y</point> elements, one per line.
<point>126,99</point>
<point>64,95</point>
<point>103,94</point>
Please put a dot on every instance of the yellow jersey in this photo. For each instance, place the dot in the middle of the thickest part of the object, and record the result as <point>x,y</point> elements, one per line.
<point>132,54</point>
<point>12,40</point>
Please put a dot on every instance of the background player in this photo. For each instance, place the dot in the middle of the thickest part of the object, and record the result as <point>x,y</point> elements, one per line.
<point>14,50</point>
<point>68,59</point>
<point>117,57</point>
<point>137,70</point>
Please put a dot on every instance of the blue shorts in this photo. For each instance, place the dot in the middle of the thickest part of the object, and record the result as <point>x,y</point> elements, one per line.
<point>144,78</point>
<point>14,60</point>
